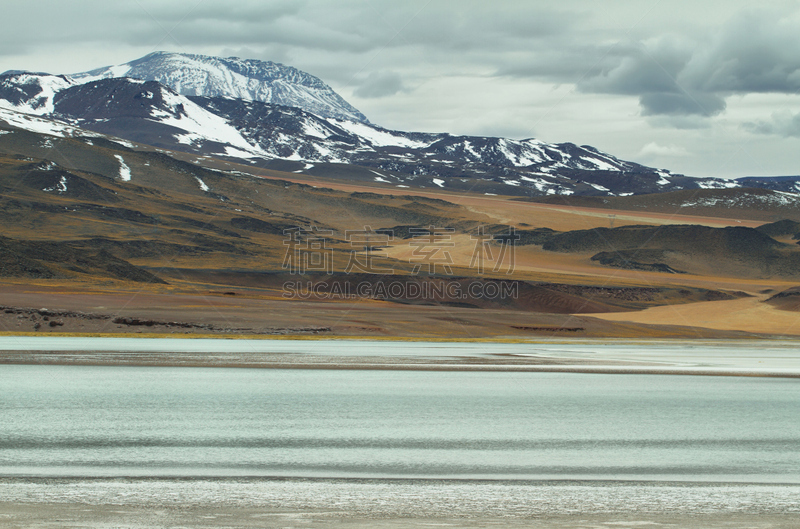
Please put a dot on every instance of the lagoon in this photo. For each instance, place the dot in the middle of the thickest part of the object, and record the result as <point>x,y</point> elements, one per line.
<point>485,438</point>
<point>84,421</point>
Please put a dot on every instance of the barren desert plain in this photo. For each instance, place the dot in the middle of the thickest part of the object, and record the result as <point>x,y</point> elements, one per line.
<point>243,293</point>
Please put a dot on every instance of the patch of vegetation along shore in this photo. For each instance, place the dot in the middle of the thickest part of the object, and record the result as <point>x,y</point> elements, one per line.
<point>55,259</point>
<point>635,340</point>
<point>301,337</point>
<point>631,260</point>
<point>41,321</point>
<point>471,292</point>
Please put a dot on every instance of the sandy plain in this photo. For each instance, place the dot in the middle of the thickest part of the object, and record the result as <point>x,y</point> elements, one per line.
<point>92,309</point>
<point>747,314</point>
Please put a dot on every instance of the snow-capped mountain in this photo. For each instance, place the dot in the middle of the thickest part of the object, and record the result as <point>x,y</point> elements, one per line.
<point>201,75</point>
<point>293,139</point>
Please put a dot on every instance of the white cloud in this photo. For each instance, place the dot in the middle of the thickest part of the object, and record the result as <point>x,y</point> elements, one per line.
<point>653,149</point>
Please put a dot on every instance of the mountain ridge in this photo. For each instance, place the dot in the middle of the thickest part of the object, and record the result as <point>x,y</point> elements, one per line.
<point>291,137</point>
<point>148,112</point>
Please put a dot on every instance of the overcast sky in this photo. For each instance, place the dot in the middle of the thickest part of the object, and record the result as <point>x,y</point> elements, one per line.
<point>704,88</point>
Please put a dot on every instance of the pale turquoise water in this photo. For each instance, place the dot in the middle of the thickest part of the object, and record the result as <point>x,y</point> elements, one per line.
<point>162,422</point>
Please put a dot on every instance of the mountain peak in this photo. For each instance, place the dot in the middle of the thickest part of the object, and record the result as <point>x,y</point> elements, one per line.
<point>232,77</point>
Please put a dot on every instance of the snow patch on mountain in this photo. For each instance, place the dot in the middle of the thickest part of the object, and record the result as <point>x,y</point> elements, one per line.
<point>202,184</point>
<point>772,198</point>
<point>717,183</point>
<point>599,187</point>
<point>233,152</point>
<point>199,124</point>
<point>378,137</point>
<point>60,187</point>
<point>599,164</point>
<point>41,125</point>
<point>31,93</point>
<point>124,170</point>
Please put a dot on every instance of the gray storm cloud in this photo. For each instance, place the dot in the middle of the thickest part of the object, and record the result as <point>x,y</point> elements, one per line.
<point>654,73</point>
<point>783,124</point>
<point>704,76</point>
<point>380,84</point>
<point>753,52</point>
<point>674,71</point>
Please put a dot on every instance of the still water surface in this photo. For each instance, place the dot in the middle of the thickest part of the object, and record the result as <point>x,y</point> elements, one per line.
<point>83,421</point>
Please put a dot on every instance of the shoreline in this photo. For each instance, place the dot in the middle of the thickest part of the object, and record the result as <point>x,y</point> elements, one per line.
<point>360,503</point>
<point>761,338</point>
<point>642,340</point>
<point>775,359</point>
<point>432,367</point>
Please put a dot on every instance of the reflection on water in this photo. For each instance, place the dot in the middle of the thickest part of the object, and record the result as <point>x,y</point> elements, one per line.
<point>129,421</point>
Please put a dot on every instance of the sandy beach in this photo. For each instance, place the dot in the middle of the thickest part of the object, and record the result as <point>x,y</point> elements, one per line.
<point>132,504</point>
<point>41,516</point>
